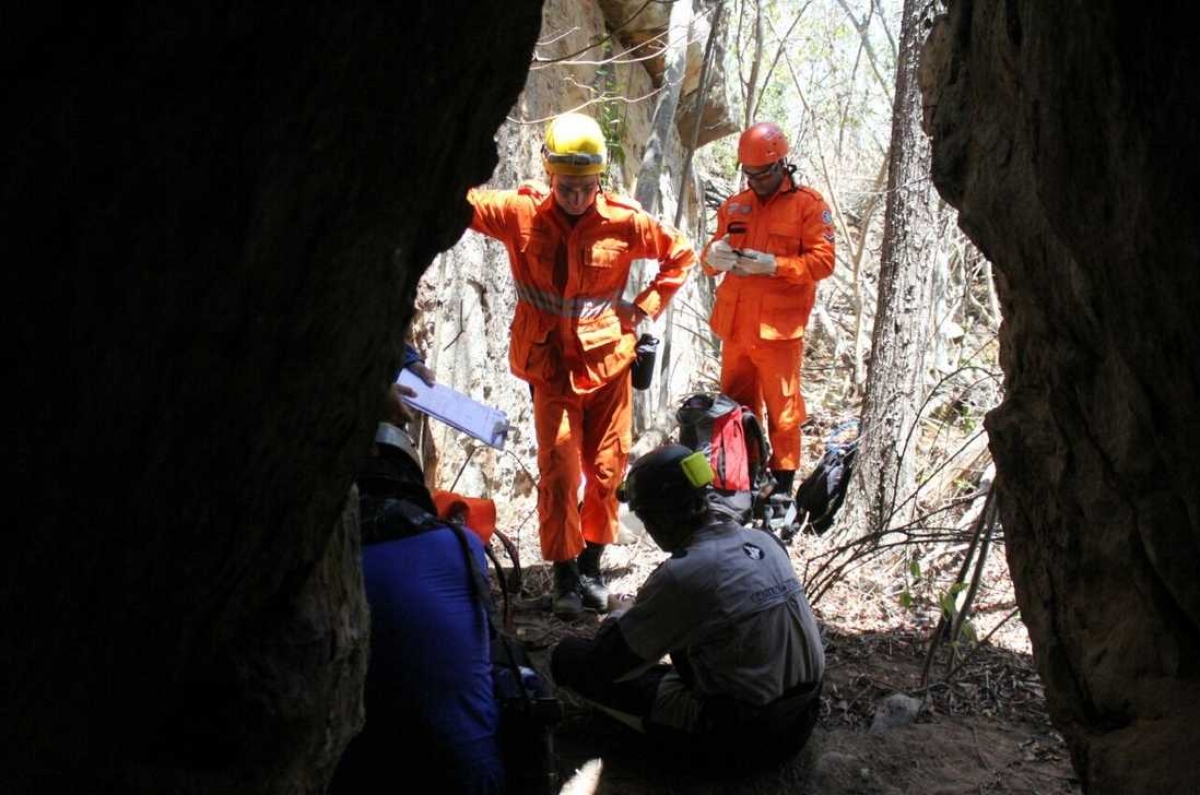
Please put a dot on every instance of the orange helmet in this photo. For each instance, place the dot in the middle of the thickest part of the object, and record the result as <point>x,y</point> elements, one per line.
<point>762,144</point>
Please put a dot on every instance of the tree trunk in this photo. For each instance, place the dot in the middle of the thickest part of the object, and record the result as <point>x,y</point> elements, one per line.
<point>752,84</point>
<point>664,359</point>
<point>649,190</point>
<point>884,473</point>
<point>860,250</point>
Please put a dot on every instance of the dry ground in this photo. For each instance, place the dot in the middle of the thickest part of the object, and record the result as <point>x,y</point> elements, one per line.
<point>986,731</point>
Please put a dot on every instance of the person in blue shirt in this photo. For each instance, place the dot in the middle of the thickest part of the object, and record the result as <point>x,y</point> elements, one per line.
<point>430,703</point>
<point>413,361</point>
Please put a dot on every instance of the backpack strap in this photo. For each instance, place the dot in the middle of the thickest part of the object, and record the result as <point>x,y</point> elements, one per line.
<point>479,582</point>
<point>408,518</point>
<point>758,450</point>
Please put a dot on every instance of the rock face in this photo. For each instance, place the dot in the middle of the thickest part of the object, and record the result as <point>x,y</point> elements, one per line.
<point>642,28</point>
<point>1066,134</point>
<point>215,222</point>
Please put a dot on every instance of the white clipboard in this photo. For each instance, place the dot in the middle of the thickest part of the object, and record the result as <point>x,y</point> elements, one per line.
<point>485,423</point>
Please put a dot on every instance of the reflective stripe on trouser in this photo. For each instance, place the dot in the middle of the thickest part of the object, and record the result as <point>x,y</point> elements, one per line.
<point>769,372</point>
<point>578,435</point>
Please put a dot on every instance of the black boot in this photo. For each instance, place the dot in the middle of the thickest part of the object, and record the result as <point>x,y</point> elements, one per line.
<point>567,598</point>
<point>783,480</point>
<point>591,583</point>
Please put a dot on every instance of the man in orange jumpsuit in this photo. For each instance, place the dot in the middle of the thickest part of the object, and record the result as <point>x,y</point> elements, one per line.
<point>570,246</point>
<point>773,243</point>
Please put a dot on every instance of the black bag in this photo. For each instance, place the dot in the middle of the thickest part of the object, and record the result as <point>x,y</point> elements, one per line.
<point>730,436</point>
<point>528,714</point>
<point>643,365</point>
<point>824,490</point>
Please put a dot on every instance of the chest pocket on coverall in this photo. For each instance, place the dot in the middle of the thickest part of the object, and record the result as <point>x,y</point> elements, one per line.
<point>784,239</point>
<point>599,260</point>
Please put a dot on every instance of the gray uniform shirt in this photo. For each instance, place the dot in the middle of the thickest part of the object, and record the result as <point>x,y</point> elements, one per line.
<point>731,600</point>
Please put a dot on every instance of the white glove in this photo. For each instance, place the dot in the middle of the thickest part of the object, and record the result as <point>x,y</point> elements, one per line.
<point>721,256</point>
<point>754,263</point>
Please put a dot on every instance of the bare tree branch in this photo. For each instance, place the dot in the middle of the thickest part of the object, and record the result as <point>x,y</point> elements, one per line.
<point>863,27</point>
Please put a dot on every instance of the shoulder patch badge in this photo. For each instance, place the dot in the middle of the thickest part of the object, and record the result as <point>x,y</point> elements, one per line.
<point>826,216</point>
<point>753,552</point>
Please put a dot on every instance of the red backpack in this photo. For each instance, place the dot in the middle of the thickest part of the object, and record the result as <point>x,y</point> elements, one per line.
<point>732,438</point>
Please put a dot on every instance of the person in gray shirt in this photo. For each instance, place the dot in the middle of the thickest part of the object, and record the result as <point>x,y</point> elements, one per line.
<point>743,685</point>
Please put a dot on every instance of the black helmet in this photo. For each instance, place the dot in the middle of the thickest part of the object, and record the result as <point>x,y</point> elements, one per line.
<point>394,467</point>
<point>668,484</point>
<point>397,438</point>
<point>389,476</point>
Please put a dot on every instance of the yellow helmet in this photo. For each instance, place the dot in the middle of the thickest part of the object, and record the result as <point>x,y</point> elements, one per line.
<point>574,146</point>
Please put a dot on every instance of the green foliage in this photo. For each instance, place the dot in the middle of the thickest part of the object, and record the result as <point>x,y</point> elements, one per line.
<point>722,154</point>
<point>611,110</point>
<point>947,600</point>
<point>914,572</point>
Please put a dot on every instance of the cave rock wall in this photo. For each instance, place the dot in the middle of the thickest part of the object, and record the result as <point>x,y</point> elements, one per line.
<point>1066,135</point>
<point>220,214</point>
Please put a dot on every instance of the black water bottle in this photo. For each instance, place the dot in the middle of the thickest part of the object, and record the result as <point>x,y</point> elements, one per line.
<point>643,365</point>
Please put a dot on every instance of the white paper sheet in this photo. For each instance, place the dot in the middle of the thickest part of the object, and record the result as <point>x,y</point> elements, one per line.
<point>486,423</point>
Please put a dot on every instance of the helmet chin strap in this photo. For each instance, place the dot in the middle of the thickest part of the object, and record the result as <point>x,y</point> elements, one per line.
<point>790,170</point>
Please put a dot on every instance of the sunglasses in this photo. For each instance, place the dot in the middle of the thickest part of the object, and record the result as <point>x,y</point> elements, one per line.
<point>762,172</point>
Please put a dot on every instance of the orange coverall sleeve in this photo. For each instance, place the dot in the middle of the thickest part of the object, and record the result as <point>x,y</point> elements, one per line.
<point>675,257</point>
<point>816,258</point>
<point>489,211</point>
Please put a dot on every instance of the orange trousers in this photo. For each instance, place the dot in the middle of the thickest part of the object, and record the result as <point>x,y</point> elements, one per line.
<point>768,371</point>
<point>580,435</point>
